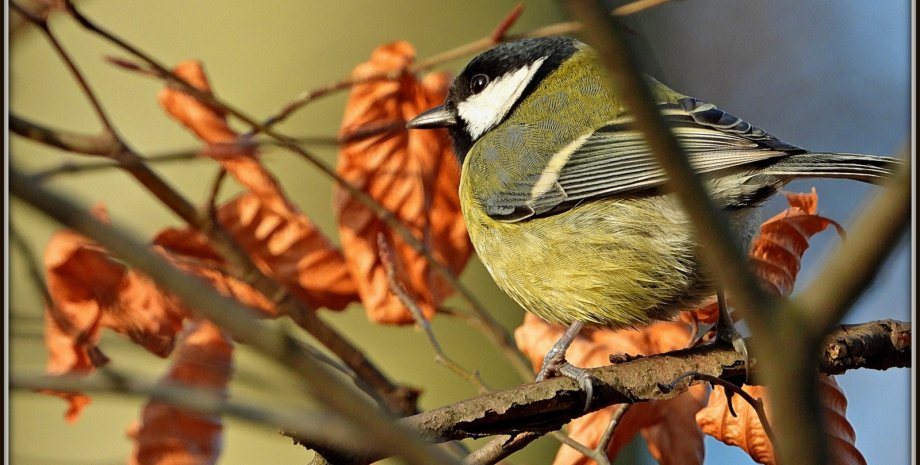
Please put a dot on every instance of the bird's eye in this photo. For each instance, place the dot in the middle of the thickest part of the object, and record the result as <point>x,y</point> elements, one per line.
<point>478,83</point>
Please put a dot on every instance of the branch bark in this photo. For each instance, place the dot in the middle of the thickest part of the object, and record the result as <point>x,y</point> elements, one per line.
<point>548,405</point>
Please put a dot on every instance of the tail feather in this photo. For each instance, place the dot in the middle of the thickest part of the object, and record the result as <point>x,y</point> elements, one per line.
<point>865,168</point>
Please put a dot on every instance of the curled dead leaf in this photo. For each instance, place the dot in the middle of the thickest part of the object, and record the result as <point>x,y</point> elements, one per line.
<point>411,173</point>
<point>289,248</point>
<point>170,435</point>
<point>282,241</point>
<point>91,290</point>
<point>776,253</point>
<point>747,432</point>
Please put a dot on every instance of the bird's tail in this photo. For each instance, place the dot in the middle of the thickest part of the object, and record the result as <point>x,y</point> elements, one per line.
<point>865,168</point>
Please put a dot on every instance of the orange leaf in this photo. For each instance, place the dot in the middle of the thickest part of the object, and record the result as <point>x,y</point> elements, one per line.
<point>292,250</point>
<point>170,435</point>
<point>189,251</point>
<point>841,436</point>
<point>289,249</point>
<point>210,125</point>
<point>746,431</point>
<point>776,254</point>
<point>282,240</point>
<point>668,425</point>
<point>411,173</point>
<point>91,290</point>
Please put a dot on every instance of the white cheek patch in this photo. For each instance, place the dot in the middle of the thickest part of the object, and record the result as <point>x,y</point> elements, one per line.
<point>484,110</point>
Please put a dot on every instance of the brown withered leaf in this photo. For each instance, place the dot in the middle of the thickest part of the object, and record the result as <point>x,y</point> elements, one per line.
<point>746,430</point>
<point>189,251</point>
<point>776,253</point>
<point>210,125</point>
<point>411,173</point>
<point>90,290</point>
<point>285,248</point>
<point>171,435</point>
<point>841,435</point>
<point>289,248</point>
<point>668,426</point>
<point>282,241</point>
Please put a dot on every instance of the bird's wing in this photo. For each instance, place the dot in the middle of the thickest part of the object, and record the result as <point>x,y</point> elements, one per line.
<point>616,160</point>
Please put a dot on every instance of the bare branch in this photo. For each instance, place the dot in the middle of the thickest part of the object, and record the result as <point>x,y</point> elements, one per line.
<point>537,408</point>
<point>386,258</point>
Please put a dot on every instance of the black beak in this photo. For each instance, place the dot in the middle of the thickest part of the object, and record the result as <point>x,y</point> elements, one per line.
<point>437,117</point>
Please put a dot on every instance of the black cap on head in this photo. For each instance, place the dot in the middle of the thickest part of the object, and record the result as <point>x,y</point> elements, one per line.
<point>496,62</point>
<point>490,66</point>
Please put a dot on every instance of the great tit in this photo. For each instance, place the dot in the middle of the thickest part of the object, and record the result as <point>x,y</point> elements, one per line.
<point>564,201</point>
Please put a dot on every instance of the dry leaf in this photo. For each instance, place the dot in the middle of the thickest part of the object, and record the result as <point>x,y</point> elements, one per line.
<point>777,252</point>
<point>91,290</point>
<point>189,252</point>
<point>170,435</point>
<point>667,425</point>
<point>745,430</point>
<point>210,125</point>
<point>282,241</point>
<point>411,173</point>
<point>290,249</point>
<point>841,437</point>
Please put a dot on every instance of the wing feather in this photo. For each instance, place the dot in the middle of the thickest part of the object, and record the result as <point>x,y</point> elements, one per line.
<point>616,160</point>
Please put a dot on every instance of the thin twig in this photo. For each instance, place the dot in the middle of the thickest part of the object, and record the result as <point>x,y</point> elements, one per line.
<point>602,445</point>
<point>730,388</point>
<point>31,261</point>
<point>98,145</point>
<point>501,447</point>
<point>210,205</point>
<point>637,6</point>
<point>87,90</point>
<point>386,258</point>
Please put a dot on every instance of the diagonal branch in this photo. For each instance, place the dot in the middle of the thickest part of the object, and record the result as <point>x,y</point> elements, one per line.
<point>533,409</point>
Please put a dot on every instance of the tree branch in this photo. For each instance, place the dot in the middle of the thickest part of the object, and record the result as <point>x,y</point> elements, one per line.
<point>546,406</point>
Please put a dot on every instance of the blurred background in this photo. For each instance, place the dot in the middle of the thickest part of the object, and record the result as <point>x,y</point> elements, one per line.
<point>829,75</point>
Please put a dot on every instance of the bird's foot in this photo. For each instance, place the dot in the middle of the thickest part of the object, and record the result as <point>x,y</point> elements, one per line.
<point>555,364</point>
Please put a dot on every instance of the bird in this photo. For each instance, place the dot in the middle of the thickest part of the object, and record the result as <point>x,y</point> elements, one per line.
<point>566,205</point>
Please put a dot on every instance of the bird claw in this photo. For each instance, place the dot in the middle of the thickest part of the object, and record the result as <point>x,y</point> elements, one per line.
<point>555,365</point>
